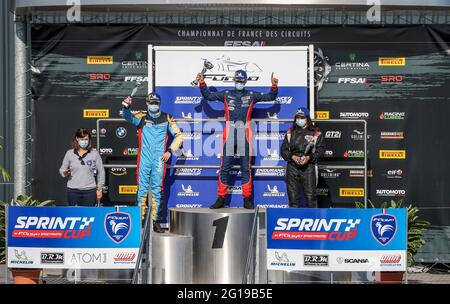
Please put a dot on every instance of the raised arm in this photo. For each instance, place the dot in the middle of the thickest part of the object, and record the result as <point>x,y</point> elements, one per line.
<point>126,112</point>
<point>207,93</point>
<point>272,95</point>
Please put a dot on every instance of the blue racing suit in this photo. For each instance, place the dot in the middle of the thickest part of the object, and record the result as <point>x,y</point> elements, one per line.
<point>238,111</point>
<point>152,140</point>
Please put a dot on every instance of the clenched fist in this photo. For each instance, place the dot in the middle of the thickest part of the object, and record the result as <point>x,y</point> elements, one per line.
<point>127,102</point>
<point>274,81</point>
<point>200,77</point>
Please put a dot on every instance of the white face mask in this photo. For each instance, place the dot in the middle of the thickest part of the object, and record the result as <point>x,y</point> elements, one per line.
<point>239,86</point>
<point>153,108</point>
<point>83,143</point>
<point>301,122</point>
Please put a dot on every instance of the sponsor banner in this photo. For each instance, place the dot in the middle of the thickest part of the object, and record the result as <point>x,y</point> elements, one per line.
<point>336,239</point>
<point>392,154</point>
<point>336,260</point>
<point>96,113</point>
<point>99,60</point>
<point>322,115</point>
<point>50,235</point>
<point>352,192</point>
<point>392,135</point>
<point>72,258</point>
<point>392,61</point>
<point>128,189</point>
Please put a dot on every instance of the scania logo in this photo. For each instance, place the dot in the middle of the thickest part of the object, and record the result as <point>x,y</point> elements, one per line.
<point>341,260</point>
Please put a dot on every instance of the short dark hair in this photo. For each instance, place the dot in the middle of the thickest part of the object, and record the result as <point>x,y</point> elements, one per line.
<point>80,133</point>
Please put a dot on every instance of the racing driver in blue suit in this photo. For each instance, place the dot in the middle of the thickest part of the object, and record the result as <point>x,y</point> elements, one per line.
<point>153,127</point>
<point>237,136</point>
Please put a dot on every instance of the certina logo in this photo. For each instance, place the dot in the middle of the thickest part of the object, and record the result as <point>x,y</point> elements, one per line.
<point>136,79</point>
<point>391,61</point>
<point>55,227</point>
<point>272,155</point>
<point>268,135</point>
<point>330,173</point>
<point>315,260</point>
<point>21,258</point>
<point>392,116</point>
<point>392,154</point>
<point>118,171</point>
<point>333,134</point>
<point>124,257</point>
<point>188,171</point>
<point>188,100</point>
<point>314,229</point>
<point>384,192</point>
<point>273,191</point>
<point>270,172</point>
<point>352,65</point>
<point>354,115</point>
<point>282,259</point>
<point>100,60</point>
<point>392,135</point>
<point>245,43</point>
<point>88,258</point>
<point>187,191</point>
<point>351,192</point>
<point>352,80</point>
<point>341,260</point>
<point>391,259</point>
<point>136,64</point>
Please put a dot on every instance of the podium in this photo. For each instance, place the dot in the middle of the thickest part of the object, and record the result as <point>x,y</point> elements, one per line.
<point>209,246</point>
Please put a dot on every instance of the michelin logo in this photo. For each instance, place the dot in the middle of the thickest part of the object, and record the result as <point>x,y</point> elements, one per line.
<point>187,191</point>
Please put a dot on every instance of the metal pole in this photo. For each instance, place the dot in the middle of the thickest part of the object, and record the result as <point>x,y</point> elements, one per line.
<point>365,164</point>
<point>20,108</point>
<point>312,106</point>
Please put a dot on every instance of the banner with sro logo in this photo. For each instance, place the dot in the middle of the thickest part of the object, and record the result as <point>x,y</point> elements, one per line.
<point>73,237</point>
<point>337,239</point>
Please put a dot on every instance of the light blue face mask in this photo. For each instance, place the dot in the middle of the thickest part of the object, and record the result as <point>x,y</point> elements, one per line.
<point>239,86</point>
<point>83,143</point>
<point>301,122</point>
<point>153,108</point>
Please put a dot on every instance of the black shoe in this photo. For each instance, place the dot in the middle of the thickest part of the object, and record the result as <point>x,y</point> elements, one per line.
<point>220,203</point>
<point>248,204</point>
<point>157,227</point>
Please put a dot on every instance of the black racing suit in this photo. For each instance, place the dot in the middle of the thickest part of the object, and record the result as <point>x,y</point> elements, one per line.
<point>297,176</point>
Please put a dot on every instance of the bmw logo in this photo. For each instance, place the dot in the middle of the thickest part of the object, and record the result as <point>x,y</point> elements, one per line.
<point>121,132</point>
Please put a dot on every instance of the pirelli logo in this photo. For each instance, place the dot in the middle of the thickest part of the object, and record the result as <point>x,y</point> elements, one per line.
<point>127,189</point>
<point>392,154</point>
<point>96,113</point>
<point>353,192</point>
<point>392,61</point>
<point>100,60</point>
<point>322,115</point>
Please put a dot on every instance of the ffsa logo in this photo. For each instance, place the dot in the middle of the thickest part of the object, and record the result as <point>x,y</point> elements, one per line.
<point>245,43</point>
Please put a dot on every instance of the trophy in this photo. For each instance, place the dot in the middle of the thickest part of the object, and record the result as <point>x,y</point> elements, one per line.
<point>206,66</point>
<point>135,89</point>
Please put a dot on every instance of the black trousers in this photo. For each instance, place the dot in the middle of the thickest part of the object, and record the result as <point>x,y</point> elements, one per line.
<point>301,178</point>
<point>84,198</point>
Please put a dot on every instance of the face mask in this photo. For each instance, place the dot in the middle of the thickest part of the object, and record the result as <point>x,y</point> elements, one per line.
<point>83,143</point>
<point>301,122</point>
<point>239,86</point>
<point>153,108</point>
